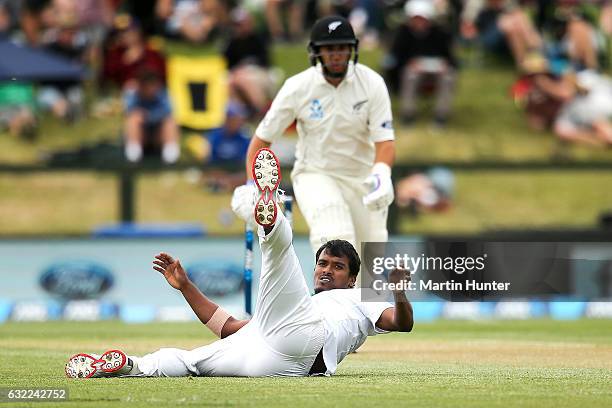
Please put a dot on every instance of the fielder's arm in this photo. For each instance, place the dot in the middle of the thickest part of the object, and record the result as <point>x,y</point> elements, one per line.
<point>398,318</point>
<point>254,146</point>
<point>203,307</point>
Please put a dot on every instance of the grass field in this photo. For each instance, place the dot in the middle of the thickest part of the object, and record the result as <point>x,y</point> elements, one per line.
<point>77,202</point>
<point>536,363</point>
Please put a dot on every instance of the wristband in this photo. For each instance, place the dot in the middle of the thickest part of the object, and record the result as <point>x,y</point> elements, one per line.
<point>217,321</point>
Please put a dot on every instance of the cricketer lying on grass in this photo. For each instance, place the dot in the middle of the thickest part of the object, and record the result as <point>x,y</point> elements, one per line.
<point>291,332</point>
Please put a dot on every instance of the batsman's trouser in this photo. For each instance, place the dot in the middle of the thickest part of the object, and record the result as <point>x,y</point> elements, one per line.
<point>283,337</point>
<point>333,209</point>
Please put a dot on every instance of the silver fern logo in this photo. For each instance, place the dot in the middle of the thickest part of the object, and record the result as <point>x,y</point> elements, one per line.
<point>332,26</point>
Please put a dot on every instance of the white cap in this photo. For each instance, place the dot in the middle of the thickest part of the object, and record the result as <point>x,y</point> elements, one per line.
<point>421,8</point>
<point>587,79</point>
<point>239,14</point>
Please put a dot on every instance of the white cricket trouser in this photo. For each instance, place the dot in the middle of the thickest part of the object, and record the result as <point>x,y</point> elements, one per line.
<point>282,339</point>
<point>333,209</point>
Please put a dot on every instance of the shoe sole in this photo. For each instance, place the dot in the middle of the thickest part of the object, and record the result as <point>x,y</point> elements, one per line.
<point>267,176</point>
<point>86,366</point>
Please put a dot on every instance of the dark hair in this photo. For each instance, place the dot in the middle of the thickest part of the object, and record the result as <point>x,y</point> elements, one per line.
<point>147,75</point>
<point>340,247</point>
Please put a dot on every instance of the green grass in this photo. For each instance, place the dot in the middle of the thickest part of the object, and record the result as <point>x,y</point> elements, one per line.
<point>520,199</point>
<point>536,363</point>
<point>76,202</point>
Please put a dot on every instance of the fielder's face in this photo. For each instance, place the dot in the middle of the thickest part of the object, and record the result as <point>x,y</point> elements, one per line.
<point>332,272</point>
<point>335,57</point>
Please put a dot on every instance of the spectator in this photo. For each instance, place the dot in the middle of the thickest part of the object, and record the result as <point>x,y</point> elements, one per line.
<point>92,17</point>
<point>247,54</point>
<point>228,145</point>
<point>149,125</point>
<point>245,44</point>
<point>35,16</point>
<point>193,20</point>
<point>365,18</point>
<point>17,109</point>
<point>295,19</point>
<point>127,53</point>
<point>96,13</point>
<point>7,20</point>
<point>499,26</point>
<point>64,98</point>
<point>335,7</point>
<point>573,42</point>
<point>605,17</point>
<point>426,192</point>
<point>95,18</point>
<point>588,117</point>
<point>541,92</point>
<point>421,52</point>
<point>145,12</point>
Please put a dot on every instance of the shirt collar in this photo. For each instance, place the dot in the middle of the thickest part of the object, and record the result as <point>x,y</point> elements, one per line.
<point>349,78</point>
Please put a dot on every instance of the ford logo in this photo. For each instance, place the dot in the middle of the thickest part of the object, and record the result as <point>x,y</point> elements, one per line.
<point>216,277</point>
<point>72,280</point>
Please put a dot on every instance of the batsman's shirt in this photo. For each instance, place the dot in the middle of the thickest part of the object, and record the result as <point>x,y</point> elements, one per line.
<point>348,322</point>
<point>337,126</point>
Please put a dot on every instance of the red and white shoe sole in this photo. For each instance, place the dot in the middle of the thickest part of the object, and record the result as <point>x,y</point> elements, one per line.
<point>86,366</point>
<point>267,176</point>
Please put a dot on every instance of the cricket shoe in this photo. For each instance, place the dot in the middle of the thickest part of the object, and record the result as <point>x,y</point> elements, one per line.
<point>110,364</point>
<point>245,197</point>
<point>267,176</point>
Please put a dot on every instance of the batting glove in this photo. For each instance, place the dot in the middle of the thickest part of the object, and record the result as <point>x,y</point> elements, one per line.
<point>380,188</point>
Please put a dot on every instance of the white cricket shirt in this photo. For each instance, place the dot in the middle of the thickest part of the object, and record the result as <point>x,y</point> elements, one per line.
<point>337,126</point>
<point>348,322</point>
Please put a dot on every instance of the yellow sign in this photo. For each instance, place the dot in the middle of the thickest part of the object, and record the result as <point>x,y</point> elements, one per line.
<point>199,90</point>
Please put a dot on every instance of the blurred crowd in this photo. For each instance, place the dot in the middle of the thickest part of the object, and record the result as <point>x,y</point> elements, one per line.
<point>560,50</point>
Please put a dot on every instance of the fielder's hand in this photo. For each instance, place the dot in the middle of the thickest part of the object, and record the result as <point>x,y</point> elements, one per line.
<point>380,186</point>
<point>172,271</point>
<point>399,274</point>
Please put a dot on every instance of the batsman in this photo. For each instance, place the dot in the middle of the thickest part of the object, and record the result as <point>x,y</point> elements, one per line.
<point>345,149</point>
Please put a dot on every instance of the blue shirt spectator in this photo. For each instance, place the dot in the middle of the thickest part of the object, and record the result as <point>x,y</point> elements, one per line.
<point>228,147</point>
<point>229,144</point>
<point>156,106</point>
<point>149,126</point>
